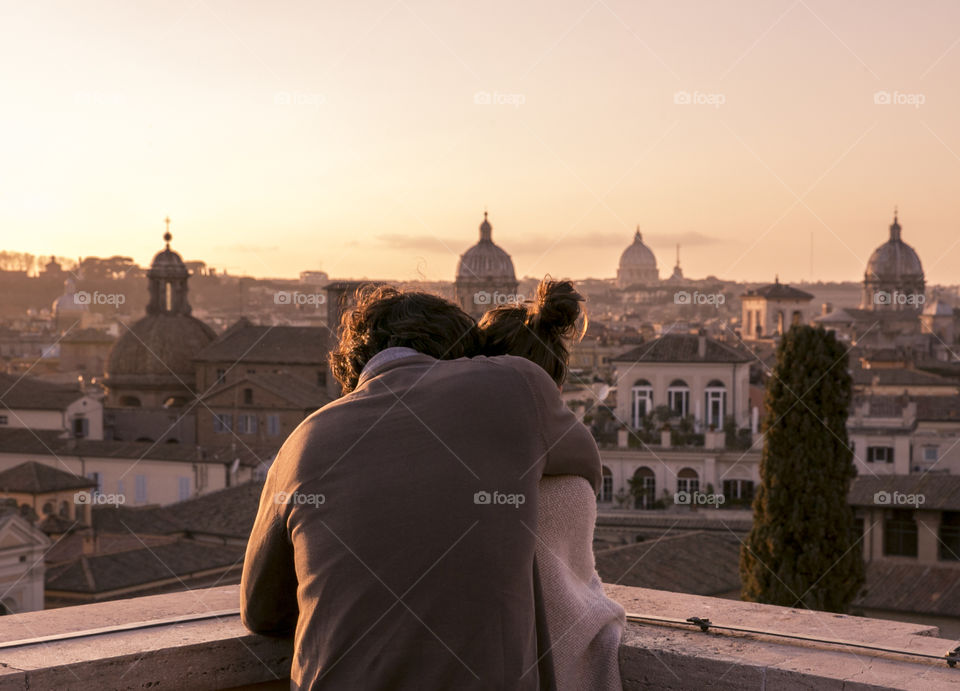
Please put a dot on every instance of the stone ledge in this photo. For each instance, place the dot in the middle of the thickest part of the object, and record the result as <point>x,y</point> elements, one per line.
<point>218,653</point>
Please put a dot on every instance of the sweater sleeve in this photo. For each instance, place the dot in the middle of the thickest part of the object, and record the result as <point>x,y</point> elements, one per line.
<point>584,624</point>
<point>268,586</point>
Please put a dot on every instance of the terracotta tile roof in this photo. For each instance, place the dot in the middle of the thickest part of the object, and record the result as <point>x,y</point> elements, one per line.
<point>247,342</point>
<point>698,563</point>
<point>29,393</point>
<point>227,513</point>
<point>102,573</point>
<point>38,478</point>
<point>683,348</point>
<point>900,376</point>
<point>49,443</point>
<point>916,588</point>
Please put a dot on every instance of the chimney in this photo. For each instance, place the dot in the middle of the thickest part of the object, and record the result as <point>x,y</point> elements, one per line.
<point>826,308</point>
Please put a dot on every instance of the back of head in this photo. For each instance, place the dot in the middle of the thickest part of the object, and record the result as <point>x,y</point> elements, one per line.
<point>535,330</point>
<point>385,317</point>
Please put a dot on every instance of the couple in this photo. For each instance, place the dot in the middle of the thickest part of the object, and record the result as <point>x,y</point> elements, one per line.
<point>432,528</point>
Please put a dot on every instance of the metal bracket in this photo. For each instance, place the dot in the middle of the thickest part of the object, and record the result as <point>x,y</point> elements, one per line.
<point>704,624</point>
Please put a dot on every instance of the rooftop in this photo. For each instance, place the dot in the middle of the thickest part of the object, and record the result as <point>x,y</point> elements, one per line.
<point>248,342</point>
<point>683,348</point>
<point>29,393</point>
<point>941,492</point>
<point>38,478</point>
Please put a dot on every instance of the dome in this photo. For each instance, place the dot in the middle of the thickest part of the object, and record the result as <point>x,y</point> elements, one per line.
<point>158,348</point>
<point>638,255</point>
<point>894,260</point>
<point>638,265</point>
<point>68,302</point>
<point>485,260</point>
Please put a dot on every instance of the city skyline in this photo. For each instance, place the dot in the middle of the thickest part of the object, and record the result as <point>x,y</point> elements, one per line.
<point>743,133</point>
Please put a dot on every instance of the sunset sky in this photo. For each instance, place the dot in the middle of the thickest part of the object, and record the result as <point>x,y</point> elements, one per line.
<point>354,138</point>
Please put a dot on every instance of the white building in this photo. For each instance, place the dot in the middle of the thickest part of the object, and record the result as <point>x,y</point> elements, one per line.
<point>22,547</point>
<point>771,310</point>
<point>27,402</point>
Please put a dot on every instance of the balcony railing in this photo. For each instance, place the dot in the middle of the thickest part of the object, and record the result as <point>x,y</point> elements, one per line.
<point>194,640</point>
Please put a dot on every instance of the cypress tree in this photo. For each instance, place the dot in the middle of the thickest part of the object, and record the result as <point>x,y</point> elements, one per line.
<point>802,550</point>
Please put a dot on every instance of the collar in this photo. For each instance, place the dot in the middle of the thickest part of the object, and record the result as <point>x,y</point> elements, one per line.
<point>377,362</point>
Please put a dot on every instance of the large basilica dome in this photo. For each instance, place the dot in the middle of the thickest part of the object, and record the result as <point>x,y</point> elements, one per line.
<point>894,275</point>
<point>151,363</point>
<point>638,265</point>
<point>485,275</point>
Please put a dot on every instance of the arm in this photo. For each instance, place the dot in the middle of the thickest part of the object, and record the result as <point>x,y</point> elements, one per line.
<point>569,447</point>
<point>268,587</point>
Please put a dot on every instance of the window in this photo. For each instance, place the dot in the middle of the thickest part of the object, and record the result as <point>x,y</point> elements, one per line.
<point>900,534</point>
<point>716,400</point>
<point>183,488</point>
<point>930,453</point>
<point>221,375</point>
<point>606,487</point>
<point>950,536</point>
<point>644,488</point>
<point>642,404</point>
<point>120,490</point>
<point>222,422</point>
<point>248,396</point>
<point>879,454</point>
<point>273,425</point>
<point>251,371</point>
<point>738,491</point>
<point>688,481</point>
<point>678,397</point>
<point>81,427</point>
<point>96,477</point>
<point>246,424</point>
<point>140,489</point>
<point>4,420</point>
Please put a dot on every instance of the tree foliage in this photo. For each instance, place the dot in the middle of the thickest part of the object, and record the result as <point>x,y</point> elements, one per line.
<point>802,550</point>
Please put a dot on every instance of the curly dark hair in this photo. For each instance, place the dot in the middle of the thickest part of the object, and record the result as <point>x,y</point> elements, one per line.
<point>384,317</point>
<point>536,329</point>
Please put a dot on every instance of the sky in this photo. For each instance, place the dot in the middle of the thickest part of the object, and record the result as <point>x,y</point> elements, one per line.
<point>366,139</point>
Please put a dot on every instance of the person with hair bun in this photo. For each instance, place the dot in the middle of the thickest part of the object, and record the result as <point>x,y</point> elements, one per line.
<point>583,626</point>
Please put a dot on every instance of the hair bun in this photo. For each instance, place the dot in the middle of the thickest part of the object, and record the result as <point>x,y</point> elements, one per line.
<point>556,308</point>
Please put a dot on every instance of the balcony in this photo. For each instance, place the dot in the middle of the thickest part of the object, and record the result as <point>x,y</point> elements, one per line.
<point>194,640</point>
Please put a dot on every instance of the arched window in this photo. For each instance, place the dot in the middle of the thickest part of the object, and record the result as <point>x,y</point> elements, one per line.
<point>796,319</point>
<point>715,396</point>
<point>64,510</point>
<point>780,322</point>
<point>130,401</point>
<point>47,508</point>
<point>644,488</point>
<point>606,487</point>
<point>641,401</point>
<point>688,481</point>
<point>678,397</point>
